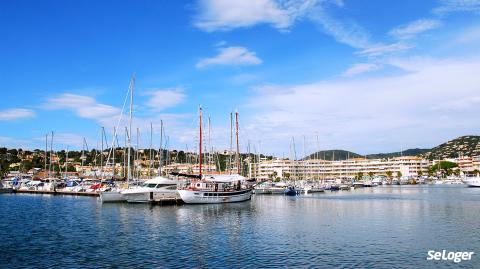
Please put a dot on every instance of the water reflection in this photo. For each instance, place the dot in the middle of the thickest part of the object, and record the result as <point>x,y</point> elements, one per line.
<point>373,227</point>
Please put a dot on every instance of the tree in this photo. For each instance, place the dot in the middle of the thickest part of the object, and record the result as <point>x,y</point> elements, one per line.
<point>420,173</point>
<point>475,172</point>
<point>399,174</point>
<point>370,174</point>
<point>389,174</point>
<point>359,175</point>
<point>445,167</point>
<point>286,175</point>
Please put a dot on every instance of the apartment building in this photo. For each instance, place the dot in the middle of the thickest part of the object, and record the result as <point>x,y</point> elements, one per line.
<point>323,169</point>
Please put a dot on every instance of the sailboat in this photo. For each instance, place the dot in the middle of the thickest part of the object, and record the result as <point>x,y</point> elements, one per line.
<point>214,189</point>
<point>115,194</point>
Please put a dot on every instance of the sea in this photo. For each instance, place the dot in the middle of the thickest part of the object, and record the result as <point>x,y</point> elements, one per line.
<point>380,227</point>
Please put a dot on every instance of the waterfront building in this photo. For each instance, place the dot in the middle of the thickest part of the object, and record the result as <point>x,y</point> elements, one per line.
<point>317,169</point>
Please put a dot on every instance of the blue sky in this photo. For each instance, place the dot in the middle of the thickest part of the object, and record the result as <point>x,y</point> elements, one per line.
<point>366,76</point>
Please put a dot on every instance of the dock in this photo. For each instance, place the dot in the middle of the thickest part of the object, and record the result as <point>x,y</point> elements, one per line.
<point>91,194</point>
<point>164,201</point>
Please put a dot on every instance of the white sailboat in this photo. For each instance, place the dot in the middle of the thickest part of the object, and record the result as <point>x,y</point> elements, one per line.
<point>114,194</point>
<point>216,188</point>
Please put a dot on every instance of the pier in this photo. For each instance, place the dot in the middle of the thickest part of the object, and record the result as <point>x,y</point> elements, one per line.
<point>92,194</point>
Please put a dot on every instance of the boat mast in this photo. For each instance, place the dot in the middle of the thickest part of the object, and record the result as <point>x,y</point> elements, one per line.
<point>231,145</point>
<point>294,158</point>
<point>150,153</point>
<point>137,156</point>
<point>129,171</point>
<point>200,144</point>
<point>101,154</point>
<point>160,152</point>
<point>66,163</point>
<point>318,158</point>
<point>209,144</point>
<point>115,139</point>
<point>51,154</point>
<point>238,144</point>
<point>46,155</point>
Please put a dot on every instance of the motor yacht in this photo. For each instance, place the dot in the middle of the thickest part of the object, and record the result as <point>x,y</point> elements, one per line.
<point>153,189</point>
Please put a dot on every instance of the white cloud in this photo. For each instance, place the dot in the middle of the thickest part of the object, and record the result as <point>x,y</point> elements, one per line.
<point>231,56</point>
<point>469,35</point>
<point>82,106</point>
<point>381,49</point>
<point>16,114</point>
<point>360,68</point>
<point>243,78</point>
<point>163,99</point>
<point>422,107</point>
<point>449,6</point>
<point>344,31</point>
<point>226,15</point>
<point>413,28</point>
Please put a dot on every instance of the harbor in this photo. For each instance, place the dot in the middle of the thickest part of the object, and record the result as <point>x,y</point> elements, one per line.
<point>389,226</point>
<point>240,134</point>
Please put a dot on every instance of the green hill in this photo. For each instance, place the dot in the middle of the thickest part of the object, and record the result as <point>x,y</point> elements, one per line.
<point>334,154</point>
<point>464,145</point>
<point>408,152</point>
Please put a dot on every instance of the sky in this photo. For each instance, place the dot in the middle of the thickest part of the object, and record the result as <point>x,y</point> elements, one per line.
<point>366,76</point>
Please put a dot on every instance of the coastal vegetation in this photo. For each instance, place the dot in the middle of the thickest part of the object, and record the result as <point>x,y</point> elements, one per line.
<point>25,160</point>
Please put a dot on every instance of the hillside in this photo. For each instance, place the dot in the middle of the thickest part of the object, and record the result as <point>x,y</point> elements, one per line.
<point>464,145</point>
<point>408,152</point>
<point>336,154</point>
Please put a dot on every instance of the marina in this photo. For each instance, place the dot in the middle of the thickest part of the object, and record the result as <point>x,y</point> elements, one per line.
<point>388,227</point>
<point>240,134</point>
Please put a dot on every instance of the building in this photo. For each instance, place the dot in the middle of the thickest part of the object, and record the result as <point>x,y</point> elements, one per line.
<point>323,169</point>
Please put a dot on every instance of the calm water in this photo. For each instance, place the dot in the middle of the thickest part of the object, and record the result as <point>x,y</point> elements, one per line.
<point>384,227</point>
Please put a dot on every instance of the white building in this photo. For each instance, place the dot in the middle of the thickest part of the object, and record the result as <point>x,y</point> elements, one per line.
<point>323,169</point>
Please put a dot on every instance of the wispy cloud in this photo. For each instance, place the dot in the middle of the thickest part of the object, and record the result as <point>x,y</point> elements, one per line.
<point>220,15</point>
<point>411,29</point>
<point>231,56</point>
<point>449,6</point>
<point>381,49</point>
<point>83,106</point>
<point>469,35</point>
<point>343,31</point>
<point>373,112</point>
<point>16,114</point>
<point>165,98</point>
<point>360,68</point>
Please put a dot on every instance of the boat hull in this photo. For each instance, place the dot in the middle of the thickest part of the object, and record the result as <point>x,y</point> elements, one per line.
<point>473,183</point>
<point>111,197</point>
<point>149,196</point>
<point>269,191</point>
<point>212,197</point>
